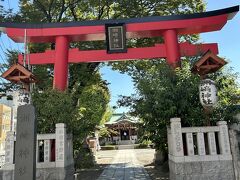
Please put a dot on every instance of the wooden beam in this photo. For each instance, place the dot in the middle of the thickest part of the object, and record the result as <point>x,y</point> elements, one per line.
<point>158,51</point>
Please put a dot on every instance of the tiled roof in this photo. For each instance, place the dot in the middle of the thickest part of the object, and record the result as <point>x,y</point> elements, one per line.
<point>116,118</point>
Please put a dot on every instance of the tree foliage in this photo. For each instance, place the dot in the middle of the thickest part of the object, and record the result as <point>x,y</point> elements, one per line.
<point>164,93</point>
<point>83,105</point>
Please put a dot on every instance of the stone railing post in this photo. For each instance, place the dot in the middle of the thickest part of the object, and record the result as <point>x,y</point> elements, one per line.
<point>201,144</point>
<point>190,146</point>
<point>9,148</point>
<point>176,133</point>
<point>223,137</point>
<point>61,139</point>
<point>212,143</point>
<point>235,152</point>
<point>47,150</point>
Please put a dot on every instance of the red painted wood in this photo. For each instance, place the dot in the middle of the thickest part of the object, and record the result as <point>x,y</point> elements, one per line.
<point>61,63</point>
<point>158,51</point>
<point>172,48</point>
<point>134,30</point>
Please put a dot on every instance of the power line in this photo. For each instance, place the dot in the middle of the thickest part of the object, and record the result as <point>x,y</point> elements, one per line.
<point>2,58</point>
<point>3,46</point>
<point>3,52</point>
<point>10,44</point>
<point>8,4</point>
<point>2,42</point>
<point>2,49</point>
<point>9,7</point>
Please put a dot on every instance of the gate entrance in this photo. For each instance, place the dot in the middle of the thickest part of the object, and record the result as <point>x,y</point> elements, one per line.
<point>168,27</point>
<point>125,135</point>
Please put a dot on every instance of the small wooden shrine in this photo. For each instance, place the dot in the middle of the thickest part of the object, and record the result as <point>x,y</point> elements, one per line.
<point>208,63</point>
<point>18,74</point>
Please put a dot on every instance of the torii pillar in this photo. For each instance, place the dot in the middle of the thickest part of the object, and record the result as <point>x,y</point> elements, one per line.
<point>61,64</point>
<point>172,48</point>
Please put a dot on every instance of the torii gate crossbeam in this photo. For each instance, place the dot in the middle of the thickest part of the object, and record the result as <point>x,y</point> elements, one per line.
<point>169,27</point>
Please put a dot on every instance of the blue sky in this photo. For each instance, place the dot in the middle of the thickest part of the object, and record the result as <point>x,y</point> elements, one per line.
<point>228,40</point>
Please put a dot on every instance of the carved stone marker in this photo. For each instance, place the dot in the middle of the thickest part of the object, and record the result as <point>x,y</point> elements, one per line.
<point>25,151</point>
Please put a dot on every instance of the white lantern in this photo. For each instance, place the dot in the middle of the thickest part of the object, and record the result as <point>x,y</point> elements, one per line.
<point>23,97</point>
<point>208,93</point>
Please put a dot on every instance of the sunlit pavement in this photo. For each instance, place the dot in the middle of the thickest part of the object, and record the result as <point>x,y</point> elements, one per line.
<point>124,166</point>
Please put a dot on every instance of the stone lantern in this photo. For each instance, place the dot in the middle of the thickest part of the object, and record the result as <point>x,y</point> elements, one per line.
<point>208,63</point>
<point>208,93</point>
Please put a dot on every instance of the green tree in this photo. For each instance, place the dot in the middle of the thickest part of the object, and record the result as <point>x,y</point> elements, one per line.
<point>163,93</point>
<point>83,105</point>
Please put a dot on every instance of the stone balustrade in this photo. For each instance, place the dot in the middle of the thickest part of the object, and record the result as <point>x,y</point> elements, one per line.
<point>2,159</point>
<point>199,152</point>
<point>117,139</point>
<point>54,154</point>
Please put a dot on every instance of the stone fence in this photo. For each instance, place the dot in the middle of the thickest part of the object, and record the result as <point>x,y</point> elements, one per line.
<point>2,159</point>
<point>199,152</point>
<point>234,134</point>
<point>54,155</point>
<point>117,139</point>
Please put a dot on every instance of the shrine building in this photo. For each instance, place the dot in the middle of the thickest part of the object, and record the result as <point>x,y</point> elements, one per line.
<point>126,128</point>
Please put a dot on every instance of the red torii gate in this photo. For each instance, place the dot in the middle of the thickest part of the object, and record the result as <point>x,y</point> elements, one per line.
<point>167,26</point>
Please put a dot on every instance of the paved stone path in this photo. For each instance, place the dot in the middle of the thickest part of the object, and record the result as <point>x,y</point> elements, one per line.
<point>125,166</point>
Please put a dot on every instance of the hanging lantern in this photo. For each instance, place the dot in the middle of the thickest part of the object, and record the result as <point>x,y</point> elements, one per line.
<point>208,93</point>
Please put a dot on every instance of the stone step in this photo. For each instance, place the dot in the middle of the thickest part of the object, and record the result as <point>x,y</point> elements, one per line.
<point>125,142</point>
<point>129,146</point>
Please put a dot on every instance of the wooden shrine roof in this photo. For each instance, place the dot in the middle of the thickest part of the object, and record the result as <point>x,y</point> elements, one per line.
<point>18,73</point>
<point>208,63</point>
<point>122,118</point>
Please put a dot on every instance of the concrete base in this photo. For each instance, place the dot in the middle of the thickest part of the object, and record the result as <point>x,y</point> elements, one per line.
<point>205,170</point>
<point>66,173</point>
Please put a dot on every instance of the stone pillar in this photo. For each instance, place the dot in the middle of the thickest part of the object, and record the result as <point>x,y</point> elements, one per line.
<point>47,150</point>
<point>61,137</point>
<point>212,143</point>
<point>190,148</point>
<point>9,148</point>
<point>201,144</point>
<point>235,152</point>
<point>37,151</point>
<point>130,133</point>
<point>223,138</point>
<point>176,134</point>
<point>119,136</point>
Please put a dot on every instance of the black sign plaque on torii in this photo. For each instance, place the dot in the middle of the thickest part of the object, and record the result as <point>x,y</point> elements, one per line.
<point>116,38</point>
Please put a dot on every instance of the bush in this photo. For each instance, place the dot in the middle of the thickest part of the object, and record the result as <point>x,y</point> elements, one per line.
<point>144,144</point>
<point>108,147</point>
<point>84,159</point>
<point>141,146</point>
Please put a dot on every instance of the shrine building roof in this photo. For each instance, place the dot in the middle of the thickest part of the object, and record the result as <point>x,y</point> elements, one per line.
<point>122,117</point>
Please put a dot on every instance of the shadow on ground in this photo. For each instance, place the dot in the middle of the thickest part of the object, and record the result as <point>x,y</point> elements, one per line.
<point>157,172</point>
<point>90,173</point>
